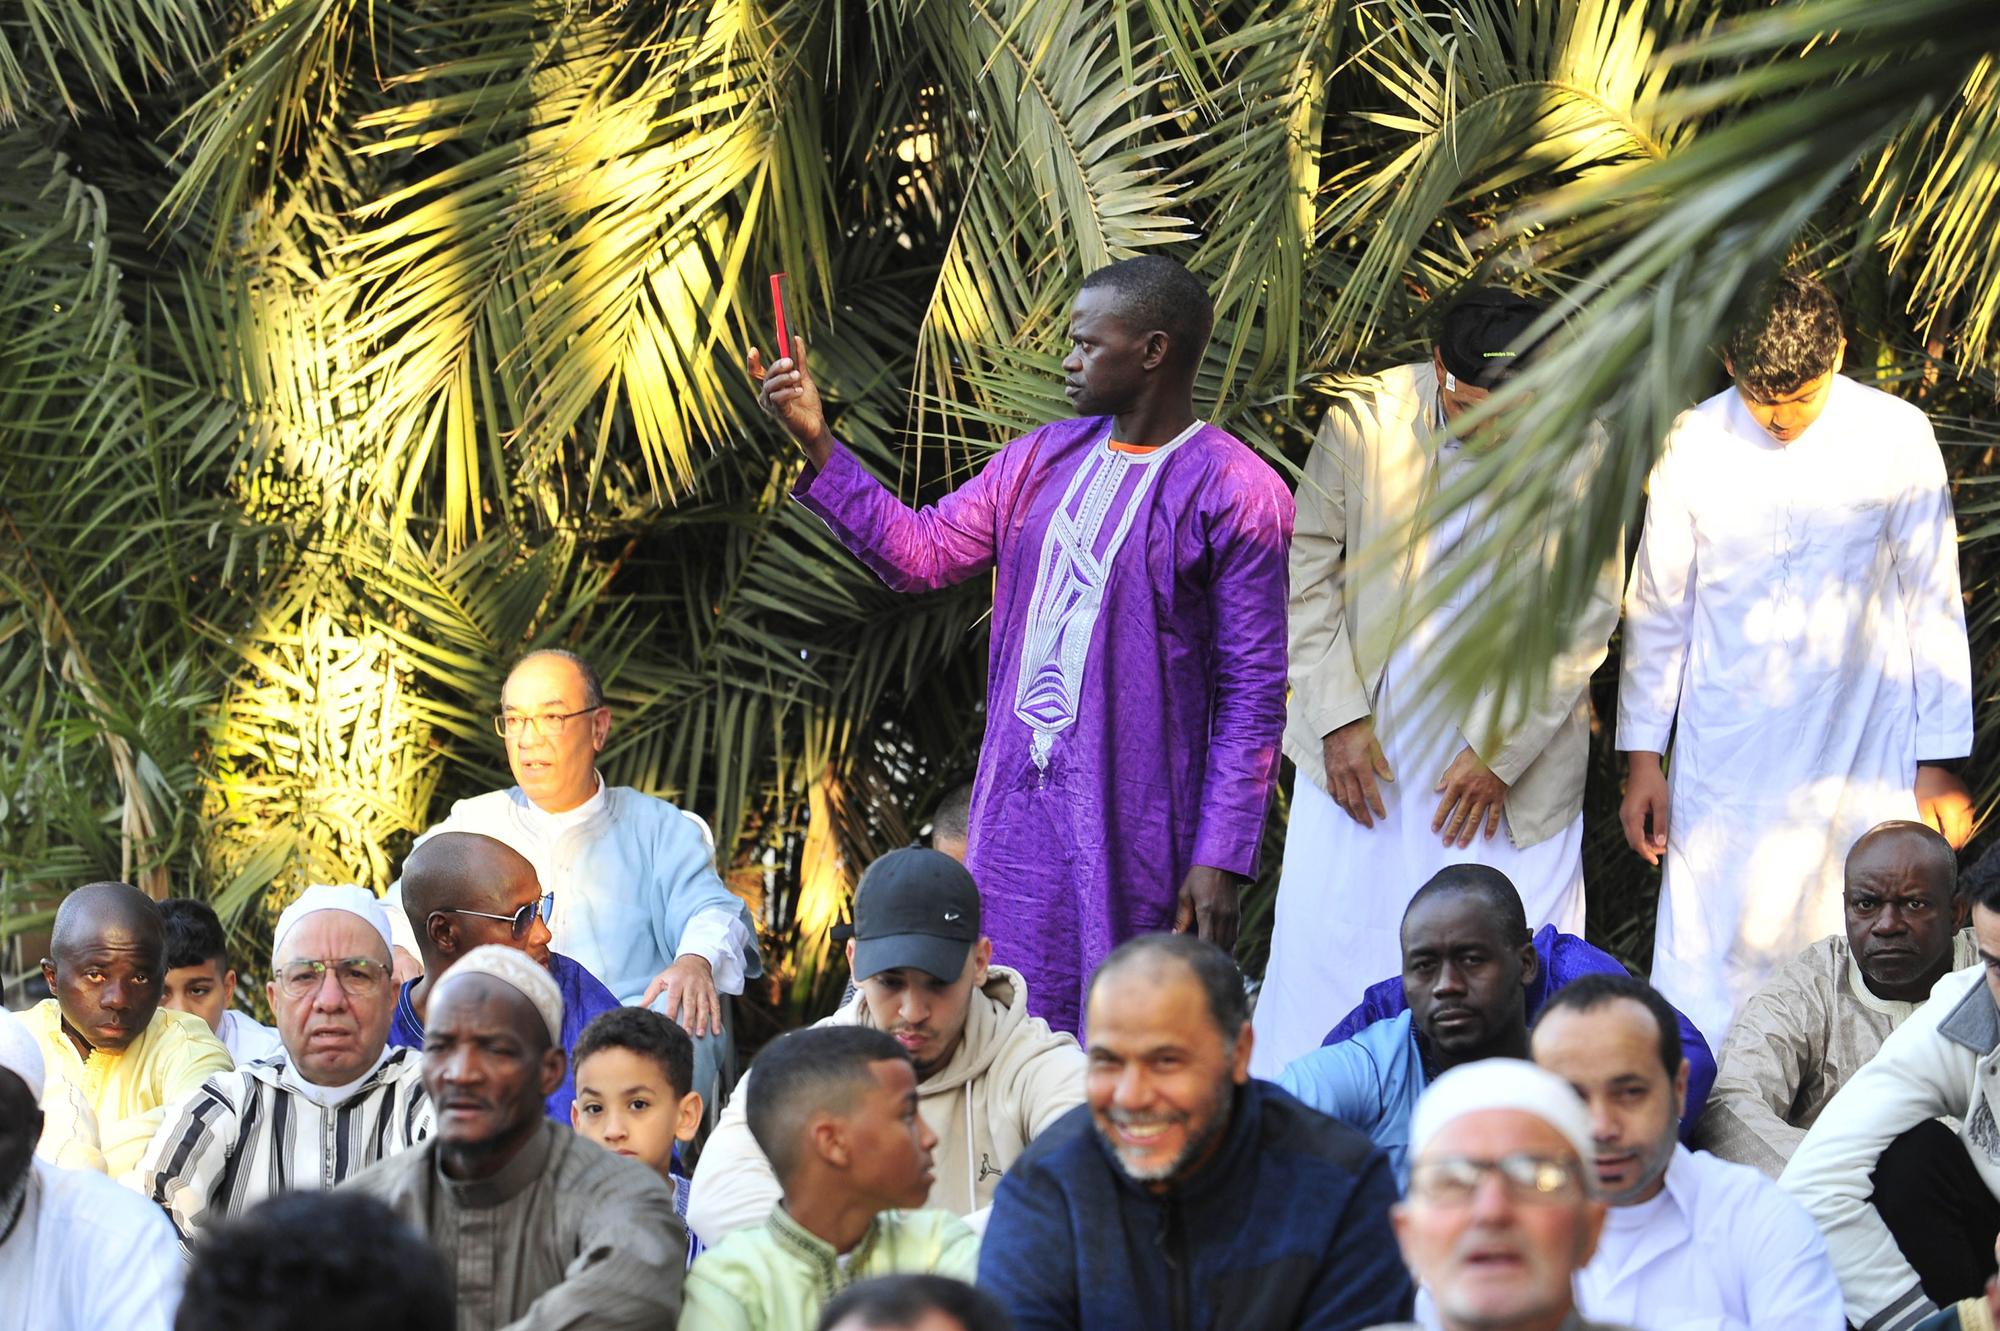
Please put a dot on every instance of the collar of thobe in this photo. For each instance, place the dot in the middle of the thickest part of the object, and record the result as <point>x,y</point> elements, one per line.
<point>544,823</point>
<point>810,1247</point>
<point>514,1178</point>
<point>290,1079</point>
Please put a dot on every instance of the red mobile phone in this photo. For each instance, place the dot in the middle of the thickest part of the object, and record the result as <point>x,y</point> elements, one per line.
<point>778,284</point>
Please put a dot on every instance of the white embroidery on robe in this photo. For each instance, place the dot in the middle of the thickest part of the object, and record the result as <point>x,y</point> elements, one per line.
<point>1108,491</point>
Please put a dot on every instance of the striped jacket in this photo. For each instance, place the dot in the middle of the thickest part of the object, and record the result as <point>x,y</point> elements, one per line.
<point>251,1134</point>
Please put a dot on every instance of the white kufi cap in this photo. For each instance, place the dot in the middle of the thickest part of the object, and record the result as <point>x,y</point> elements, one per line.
<point>19,1053</point>
<point>517,970</point>
<point>1501,1083</point>
<point>328,896</point>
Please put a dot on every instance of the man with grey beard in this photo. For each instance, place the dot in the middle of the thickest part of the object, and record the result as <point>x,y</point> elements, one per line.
<point>1184,1193</point>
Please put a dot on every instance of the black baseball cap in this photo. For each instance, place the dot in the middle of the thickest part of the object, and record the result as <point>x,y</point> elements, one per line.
<point>915,907</point>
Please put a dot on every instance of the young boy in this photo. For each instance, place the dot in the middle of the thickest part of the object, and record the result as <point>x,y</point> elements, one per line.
<point>834,1109</point>
<point>634,1068</point>
<point>200,980</point>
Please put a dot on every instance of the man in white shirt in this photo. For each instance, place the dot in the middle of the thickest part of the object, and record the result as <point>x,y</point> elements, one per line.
<point>1794,621</point>
<point>1690,1240</point>
<point>77,1251</point>
<point>333,1100</point>
<point>200,980</point>
<point>636,899</point>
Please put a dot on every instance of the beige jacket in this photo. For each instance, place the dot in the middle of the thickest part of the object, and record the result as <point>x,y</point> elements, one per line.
<point>1367,481</point>
<point>1009,1079</point>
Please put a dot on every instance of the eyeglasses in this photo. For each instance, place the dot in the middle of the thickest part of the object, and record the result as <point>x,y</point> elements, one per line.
<point>358,976</point>
<point>520,921</point>
<point>1453,1180</point>
<point>512,725</point>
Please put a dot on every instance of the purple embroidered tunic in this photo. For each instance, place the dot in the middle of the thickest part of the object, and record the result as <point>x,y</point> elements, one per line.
<point>1136,679</point>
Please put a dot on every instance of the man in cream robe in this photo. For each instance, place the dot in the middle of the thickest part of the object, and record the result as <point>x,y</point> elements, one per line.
<point>1794,621</point>
<point>1394,784</point>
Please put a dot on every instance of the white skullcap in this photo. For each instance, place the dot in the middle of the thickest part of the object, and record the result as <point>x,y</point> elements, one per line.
<point>1501,1083</point>
<point>19,1053</point>
<point>329,896</point>
<point>517,970</point>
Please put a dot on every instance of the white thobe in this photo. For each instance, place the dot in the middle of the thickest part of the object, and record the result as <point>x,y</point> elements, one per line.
<point>1720,1247</point>
<point>86,1254</point>
<point>1794,620</point>
<point>1338,929</point>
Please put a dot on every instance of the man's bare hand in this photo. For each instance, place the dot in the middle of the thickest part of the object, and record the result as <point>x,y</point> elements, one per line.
<point>1644,810</point>
<point>1943,802</point>
<point>1471,794</point>
<point>1209,904</point>
<point>692,1001</point>
<point>1353,762</point>
<point>788,395</point>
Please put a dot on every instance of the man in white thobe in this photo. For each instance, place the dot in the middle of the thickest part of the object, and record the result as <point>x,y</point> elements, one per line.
<point>633,893</point>
<point>1690,1241</point>
<point>1394,783</point>
<point>1794,620</point>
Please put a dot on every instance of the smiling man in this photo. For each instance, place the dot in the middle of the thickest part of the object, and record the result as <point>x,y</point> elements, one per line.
<point>1806,1033</point>
<point>990,1078</point>
<point>1794,621</point>
<point>115,1058</point>
<point>539,1227</point>
<point>1691,1240</point>
<point>334,1099</point>
<point>1468,967</point>
<point>1184,1194</point>
<point>1136,672</point>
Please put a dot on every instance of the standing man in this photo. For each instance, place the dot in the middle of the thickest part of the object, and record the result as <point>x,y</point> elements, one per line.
<point>1806,1033</point>
<point>115,1058</point>
<point>1136,679</point>
<point>538,1227</point>
<point>1185,1193</point>
<point>636,899</point>
<point>1794,620</point>
<point>1395,781</point>
<point>333,1099</point>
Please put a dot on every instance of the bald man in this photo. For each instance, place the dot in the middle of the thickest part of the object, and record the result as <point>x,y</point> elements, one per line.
<point>115,1058</point>
<point>540,1227</point>
<point>462,891</point>
<point>636,897</point>
<point>1803,1035</point>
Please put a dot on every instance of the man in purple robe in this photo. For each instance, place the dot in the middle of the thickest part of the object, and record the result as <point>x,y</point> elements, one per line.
<point>1136,678</point>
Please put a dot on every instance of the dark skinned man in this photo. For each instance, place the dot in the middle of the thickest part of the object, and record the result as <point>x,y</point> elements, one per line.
<point>540,1228</point>
<point>1812,1026</point>
<point>116,1059</point>
<point>1136,680</point>
<point>461,890</point>
<point>77,1251</point>
<point>1467,968</point>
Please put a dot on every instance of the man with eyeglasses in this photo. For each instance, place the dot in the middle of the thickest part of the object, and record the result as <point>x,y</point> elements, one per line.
<point>1502,1210</point>
<point>637,899</point>
<point>1691,1240</point>
<point>335,1099</point>
<point>462,891</point>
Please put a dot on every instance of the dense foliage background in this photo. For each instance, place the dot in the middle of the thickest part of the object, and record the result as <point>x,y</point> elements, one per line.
<point>349,349</point>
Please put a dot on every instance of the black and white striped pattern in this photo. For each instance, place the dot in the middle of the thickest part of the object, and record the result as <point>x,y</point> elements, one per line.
<point>248,1134</point>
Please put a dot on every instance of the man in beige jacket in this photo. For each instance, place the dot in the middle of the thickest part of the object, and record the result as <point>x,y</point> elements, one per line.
<point>990,1077</point>
<point>1397,779</point>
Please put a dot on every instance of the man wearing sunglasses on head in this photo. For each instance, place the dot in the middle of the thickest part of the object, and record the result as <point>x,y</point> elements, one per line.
<point>462,891</point>
<point>637,897</point>
<point>336,1098</point>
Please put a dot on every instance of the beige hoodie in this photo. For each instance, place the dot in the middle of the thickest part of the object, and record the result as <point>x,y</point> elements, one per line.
<point>1010,1077</point>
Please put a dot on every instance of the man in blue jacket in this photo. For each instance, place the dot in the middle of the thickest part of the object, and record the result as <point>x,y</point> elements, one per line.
<point>1184,1195</point>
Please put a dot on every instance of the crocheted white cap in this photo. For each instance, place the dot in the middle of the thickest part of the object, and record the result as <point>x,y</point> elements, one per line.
<point>331,896</point>
<point>1501,1083</point>
<point>517,970</point>
<point>19,1053</point>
